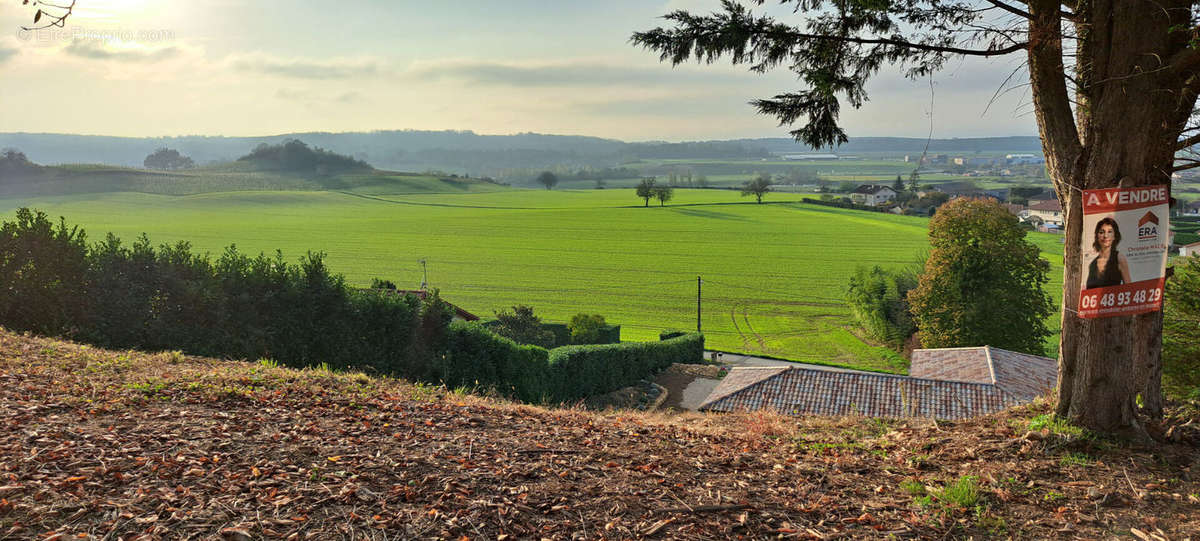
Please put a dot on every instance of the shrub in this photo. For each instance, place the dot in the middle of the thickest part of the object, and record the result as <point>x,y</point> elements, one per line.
<point>1181,329</point>
<point>580,371</point>
<point>475,356</point>
<point>586,328</point>
<point>43,274</point>
<point>671,333</point>
<point>523,327</point>
<point>877,299</point>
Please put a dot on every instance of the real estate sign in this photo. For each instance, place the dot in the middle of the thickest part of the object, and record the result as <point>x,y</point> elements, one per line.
<point>1125,233</point>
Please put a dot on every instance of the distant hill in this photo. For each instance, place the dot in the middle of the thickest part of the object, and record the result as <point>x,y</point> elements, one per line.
<point>905,144</point>
<point>237,176</point>
<point>466,152</point>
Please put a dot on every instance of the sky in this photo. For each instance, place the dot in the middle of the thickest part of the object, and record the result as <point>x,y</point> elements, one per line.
<point>226,67</point>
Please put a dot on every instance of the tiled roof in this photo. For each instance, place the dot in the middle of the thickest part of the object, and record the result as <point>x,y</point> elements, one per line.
<point>952,364</point>
<point>804,391</point>
<point>1049,205</point>
<point>870,188</point>
<point>950,383</point>
<point>1022,375</point>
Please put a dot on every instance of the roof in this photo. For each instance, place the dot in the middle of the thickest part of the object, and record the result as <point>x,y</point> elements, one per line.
<point>957,188</point>
<point>1013,207</point>
<point>1050,205</point>
<point>1194,204</point>
<point>950,383</point>
<point>799,391</point>
<point>871,189</point>
<point>1022,375</point>
<point>421,294</point>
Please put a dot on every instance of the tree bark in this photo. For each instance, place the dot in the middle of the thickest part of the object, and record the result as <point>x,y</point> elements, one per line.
<point>1121,133</point>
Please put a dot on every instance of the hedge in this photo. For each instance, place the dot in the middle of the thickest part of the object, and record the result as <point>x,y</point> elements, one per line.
<point>582,371</point>
<point>300,314</point>
<point>562,335</point>
<point>476,357</point>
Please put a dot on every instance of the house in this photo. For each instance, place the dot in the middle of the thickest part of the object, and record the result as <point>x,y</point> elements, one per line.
<point>1015,209</point>
<point>958,189</point>
<point>1192,209</point>
<point>1023,159</point>
<point>459,313</point>
<point>1048,210</point>
<point>949,384</point>
<point>872,194</point>
<point>1189,249</point>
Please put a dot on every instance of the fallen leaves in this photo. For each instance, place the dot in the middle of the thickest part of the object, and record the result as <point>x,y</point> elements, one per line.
<point>326,460</point>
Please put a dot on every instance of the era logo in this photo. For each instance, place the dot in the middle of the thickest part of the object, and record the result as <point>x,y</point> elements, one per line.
<point>1148,227</point>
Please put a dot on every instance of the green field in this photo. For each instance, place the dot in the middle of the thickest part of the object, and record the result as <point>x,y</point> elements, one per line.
<point>773,273</point>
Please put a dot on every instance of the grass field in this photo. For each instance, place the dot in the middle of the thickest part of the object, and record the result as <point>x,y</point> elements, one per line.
<point>773,273</point>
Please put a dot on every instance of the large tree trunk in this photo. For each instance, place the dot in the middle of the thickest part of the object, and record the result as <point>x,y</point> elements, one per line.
<point>1123,133</point>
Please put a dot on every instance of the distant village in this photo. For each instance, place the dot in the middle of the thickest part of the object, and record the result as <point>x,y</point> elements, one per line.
<point>1036,206</point>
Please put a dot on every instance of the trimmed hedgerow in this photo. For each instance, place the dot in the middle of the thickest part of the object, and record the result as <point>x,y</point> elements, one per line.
<point>477,357</point>
<point>300,314</point>
<point>581,371</point>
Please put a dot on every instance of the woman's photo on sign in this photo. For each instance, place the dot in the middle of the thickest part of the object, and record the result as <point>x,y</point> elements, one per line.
<point>1108,266</point>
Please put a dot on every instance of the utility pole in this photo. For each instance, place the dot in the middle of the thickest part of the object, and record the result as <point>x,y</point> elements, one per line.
<point>698,282</point>
<point>424,275</point>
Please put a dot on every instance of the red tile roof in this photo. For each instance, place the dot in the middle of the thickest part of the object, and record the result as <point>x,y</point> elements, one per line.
<point>1022,375</point>
<point>805,391</point>
<point>1050,205</point>
<point>952,383</point>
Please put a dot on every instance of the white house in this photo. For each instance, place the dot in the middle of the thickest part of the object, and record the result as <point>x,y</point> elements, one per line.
<point>1049,211</point>
<point>1189,249</point>
<point>872,194</point>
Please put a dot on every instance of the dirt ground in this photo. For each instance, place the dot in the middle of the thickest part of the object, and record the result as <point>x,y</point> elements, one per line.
<point>123,445</point>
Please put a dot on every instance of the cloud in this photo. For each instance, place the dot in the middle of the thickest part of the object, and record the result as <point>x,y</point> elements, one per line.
<point>311,69</point>
<point>94,49</point>
<point>560,74</point>
<point>676,106</point>
<point>307,96</point>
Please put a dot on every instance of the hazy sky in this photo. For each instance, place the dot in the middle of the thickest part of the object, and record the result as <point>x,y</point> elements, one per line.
<point>225,67</point>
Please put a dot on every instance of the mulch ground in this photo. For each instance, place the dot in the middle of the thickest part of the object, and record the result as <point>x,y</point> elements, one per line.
<point>123,445</point>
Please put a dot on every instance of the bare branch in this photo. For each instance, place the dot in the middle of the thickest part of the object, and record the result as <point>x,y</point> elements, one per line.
<point>1011,9</point>
<point>1188,142</point>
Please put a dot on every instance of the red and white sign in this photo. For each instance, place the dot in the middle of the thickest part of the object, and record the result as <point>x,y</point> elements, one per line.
<point>1124,250</point>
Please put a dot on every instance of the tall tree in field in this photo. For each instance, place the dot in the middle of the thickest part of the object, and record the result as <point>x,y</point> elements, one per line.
<point>1114,86</point>
<point>645,189</point>
<point>663,194</point>
<point>547,179</point>
<point>982,283</point>
<point>757,187</point>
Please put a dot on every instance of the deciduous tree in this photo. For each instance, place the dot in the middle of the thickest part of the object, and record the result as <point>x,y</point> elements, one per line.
<point>167,158</point>
<point>663,194</point>
<point>982,283</point>
<point>1113,84</point>
<point>645,190</point>
<point>523,327</point>
<point>547,179</point>
<point>757,187</point>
